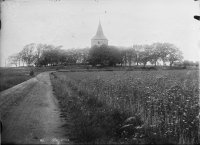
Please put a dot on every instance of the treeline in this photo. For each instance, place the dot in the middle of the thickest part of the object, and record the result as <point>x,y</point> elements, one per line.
<point>49,55</point>
<point>45,55</point>
<point>157,52</point>
<point>138,54</point>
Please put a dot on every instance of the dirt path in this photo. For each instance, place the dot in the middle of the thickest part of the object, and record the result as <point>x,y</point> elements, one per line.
<point>30,113</point>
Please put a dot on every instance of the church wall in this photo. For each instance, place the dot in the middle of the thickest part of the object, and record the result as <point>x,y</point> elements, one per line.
<point>98,42</point>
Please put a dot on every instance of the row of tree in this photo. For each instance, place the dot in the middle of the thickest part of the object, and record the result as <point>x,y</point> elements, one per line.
<point>138,54</point>
<point>44,55</point>
<point>164,52</point>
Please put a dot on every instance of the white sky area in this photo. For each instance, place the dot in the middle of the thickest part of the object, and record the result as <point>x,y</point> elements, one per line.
<point>72,23</point>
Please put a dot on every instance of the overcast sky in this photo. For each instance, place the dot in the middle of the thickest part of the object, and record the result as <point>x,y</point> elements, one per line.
<point>72,23</point>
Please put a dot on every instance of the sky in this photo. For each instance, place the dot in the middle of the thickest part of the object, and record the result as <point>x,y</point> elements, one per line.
<point>72,23</point>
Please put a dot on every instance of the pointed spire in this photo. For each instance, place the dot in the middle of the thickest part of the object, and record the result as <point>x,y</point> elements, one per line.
<point>99,30</point>
<point>99,33</point>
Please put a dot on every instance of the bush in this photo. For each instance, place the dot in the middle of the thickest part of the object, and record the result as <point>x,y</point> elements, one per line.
<point>31,73</point>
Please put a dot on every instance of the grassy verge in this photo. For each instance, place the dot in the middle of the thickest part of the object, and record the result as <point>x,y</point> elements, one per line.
<point>10,77</point>
<point>153,107</point>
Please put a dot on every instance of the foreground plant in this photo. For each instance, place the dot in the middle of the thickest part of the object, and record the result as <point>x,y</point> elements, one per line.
<point>130,107</point>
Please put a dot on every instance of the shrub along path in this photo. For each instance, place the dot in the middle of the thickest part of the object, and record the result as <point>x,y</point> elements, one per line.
<point>30,113</point>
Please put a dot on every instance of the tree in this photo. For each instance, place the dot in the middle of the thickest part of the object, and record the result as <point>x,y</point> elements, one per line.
<point>104,55</point>
<point>164,51</point>
<point>50,55</point>
<point>28,54</point>
<point>155,52</point>
<point>124,57</point>
<point>131,55</point>
<point>174,55</point>
<point>13,59</point>
<point>137,49</point>
<point>38,53</point>
<point>62,57</point>
<point>56,54</point>
<point>85,54</point>
<point>114,56</point>
<point>197,63</point>
<point>145,54</point>
<point>188,63</point>
<point>72,56</point>
<point>20,54</point>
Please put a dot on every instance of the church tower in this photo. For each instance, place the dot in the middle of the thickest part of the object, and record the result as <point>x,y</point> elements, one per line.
<point>99,39</point>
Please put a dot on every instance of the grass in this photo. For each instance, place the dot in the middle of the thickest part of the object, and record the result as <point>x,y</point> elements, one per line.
<point>10,77</point>
<point>137,107</point>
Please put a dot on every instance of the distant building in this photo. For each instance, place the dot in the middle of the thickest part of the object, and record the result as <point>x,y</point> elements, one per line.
<point>99,39</point>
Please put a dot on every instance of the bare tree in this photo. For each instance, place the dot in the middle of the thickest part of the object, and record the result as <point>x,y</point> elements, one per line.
<point>174,55</point>
<point>164,51</point>
<point>13,59</point>
<point>145,54</point>
<point>155,52</point>
<point>131,55</point>
<point>138,49</point>
<point>28,54</point>
<point>38,52</point>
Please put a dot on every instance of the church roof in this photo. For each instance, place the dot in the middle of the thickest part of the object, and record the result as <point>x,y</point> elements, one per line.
<point>99,34</point>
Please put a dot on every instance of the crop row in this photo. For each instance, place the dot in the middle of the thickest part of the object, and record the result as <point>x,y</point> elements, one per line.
<point>166,102</point>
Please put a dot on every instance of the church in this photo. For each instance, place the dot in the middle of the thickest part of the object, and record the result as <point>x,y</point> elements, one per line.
<point>99,39</point>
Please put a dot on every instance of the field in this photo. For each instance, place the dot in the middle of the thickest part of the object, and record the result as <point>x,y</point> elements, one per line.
<point>10,77</point>
<point>138,107</point>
